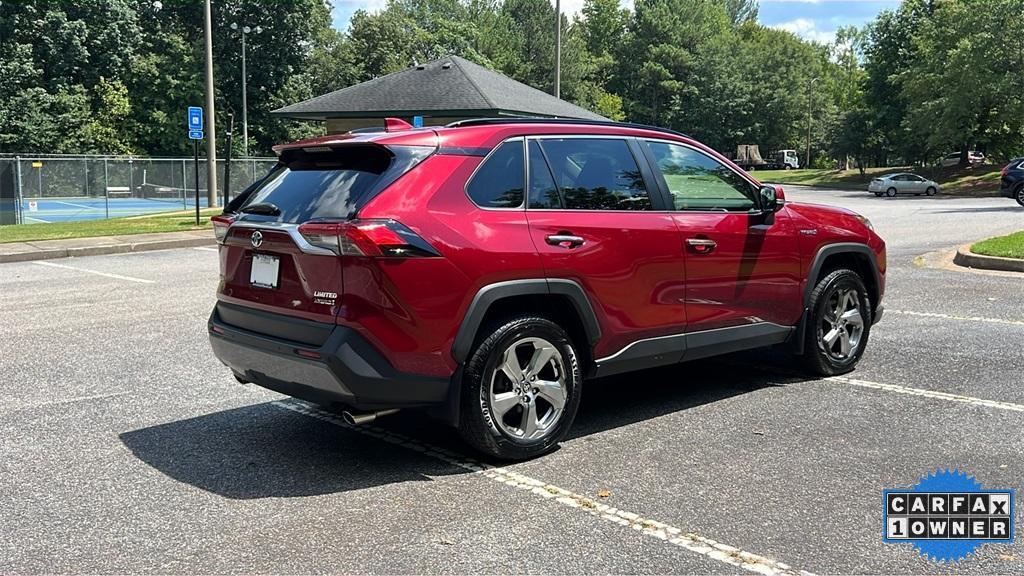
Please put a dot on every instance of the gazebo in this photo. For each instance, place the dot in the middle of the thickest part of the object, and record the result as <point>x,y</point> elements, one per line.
<point>441,91</point>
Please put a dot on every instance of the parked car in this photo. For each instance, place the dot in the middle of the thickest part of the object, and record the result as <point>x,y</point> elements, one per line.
<point>953,158</point>
<point>903,183</point>
<point>1011,184</point>
<point>380,271</point>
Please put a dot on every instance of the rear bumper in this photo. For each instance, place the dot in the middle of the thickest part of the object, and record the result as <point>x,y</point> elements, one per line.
<point>347,371</point>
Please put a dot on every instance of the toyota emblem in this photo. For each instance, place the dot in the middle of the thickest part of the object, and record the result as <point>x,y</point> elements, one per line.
<point>257,239</point>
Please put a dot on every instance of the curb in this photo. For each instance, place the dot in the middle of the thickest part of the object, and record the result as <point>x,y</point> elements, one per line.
<point>119,248</point>
<point>964,257</point>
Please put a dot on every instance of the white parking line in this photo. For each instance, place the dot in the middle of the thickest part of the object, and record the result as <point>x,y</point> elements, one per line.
<point>952,317</point>
<point>205,248</point>
<point>928,393</point>
<point>117,276</point>
<point>693,542</point>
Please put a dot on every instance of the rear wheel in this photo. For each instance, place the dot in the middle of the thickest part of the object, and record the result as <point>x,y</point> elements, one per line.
<point>521,389</point>
<point>891,192</point>
<point>931,191</point>
<point>839,324</point>
<point>1019,195</point>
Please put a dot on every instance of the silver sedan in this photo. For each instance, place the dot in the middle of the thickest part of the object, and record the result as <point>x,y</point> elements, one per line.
<point>903,183</point>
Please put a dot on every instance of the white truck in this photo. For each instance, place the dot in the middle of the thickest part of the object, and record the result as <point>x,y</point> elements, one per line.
<point>748,157</point>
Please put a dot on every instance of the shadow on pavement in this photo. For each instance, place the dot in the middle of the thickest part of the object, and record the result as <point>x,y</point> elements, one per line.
<point>264,451</point>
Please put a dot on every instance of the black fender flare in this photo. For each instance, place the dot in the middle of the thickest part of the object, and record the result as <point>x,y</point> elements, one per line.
<point>491,293</point>
<point>839,248</point>
<point>812,273</point>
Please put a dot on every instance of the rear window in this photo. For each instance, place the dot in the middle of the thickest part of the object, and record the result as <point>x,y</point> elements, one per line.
<point>321,182</point>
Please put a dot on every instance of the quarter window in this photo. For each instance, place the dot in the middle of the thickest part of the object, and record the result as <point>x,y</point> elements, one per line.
<point>498,183</point>
<point>596,174</point>
<point>697,181</point>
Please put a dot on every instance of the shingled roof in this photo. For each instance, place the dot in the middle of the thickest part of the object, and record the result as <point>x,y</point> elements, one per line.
<point>449,87</point>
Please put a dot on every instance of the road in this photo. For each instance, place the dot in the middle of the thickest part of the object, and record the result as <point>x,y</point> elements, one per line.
<point>126,447</point>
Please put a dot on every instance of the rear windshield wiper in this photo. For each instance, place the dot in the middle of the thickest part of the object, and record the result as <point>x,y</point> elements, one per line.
<point>263,208</point>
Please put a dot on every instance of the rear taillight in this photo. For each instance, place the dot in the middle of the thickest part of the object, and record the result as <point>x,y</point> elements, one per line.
<point>221,223</point>
<point>372,238</point>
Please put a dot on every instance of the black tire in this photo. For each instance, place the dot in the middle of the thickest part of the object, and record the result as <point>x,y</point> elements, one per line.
<point>931,191</point>
<point>477,426</point>
<point>891,192</point>
<point>1019,194</point>
<point>817,359</point>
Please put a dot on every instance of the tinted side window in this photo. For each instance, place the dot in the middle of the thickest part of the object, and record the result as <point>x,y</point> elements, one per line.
<point>498,183</point>
<point>697,181</point>
<point>596,174</point>
<point>543,192</point>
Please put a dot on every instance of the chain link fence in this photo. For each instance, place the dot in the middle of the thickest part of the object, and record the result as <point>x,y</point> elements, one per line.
<point>61,188</point>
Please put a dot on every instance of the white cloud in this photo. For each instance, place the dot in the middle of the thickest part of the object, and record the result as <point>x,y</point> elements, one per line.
<point>807,29</point>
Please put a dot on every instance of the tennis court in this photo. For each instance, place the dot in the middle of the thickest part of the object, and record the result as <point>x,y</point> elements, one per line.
<point>47,210</point>
<point>63,188</point>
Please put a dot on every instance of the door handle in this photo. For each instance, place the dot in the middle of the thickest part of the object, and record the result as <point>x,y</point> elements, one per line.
<point>564,240</point>
<point>701,245</point>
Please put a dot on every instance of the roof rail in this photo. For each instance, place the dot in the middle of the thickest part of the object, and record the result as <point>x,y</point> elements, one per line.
<point>547,120</point>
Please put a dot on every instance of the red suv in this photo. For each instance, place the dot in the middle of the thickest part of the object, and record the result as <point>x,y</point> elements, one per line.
<point>483,271</point>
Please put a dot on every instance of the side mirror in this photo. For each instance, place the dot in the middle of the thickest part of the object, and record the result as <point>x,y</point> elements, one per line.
<point>772,198</point>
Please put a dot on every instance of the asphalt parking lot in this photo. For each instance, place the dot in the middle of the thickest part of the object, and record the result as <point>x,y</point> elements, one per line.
<point>126,447</point>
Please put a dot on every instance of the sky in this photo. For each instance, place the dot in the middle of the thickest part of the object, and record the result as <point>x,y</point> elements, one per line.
<point>810,19</point>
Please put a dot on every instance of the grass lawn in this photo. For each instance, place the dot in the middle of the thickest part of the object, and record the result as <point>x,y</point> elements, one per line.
<point>1010,246</point>
<point>165,222</point>
<point>979,181</point>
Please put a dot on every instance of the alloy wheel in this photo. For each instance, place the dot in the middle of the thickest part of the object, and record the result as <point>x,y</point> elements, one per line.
<point>842,324</point>
<point>528,389</point>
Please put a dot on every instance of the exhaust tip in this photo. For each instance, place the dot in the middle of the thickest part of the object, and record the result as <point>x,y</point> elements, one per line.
<point>357,419</point>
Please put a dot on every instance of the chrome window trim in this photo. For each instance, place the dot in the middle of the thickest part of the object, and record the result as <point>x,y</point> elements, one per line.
<point>625,138</point>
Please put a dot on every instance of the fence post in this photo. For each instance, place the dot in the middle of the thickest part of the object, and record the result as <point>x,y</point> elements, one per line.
<point>17,173</point>
<point>106,189</point>
<point>184,187</point>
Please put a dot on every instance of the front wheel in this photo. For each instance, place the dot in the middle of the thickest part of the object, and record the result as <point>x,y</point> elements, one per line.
<point>521,389</point>
<point>931,191</point>
<point>839,324</point>
<point>891,192</point>
<point>1020,195</point>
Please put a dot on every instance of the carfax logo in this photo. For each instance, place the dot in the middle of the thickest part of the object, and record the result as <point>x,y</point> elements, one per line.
<point>947,515</point>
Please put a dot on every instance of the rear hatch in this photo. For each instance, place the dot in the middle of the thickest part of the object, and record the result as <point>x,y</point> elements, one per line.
<point>280,249</point>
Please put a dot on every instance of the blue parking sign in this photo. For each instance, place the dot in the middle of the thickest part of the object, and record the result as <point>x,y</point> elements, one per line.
<point>195,118</point>
<point>195,134</point>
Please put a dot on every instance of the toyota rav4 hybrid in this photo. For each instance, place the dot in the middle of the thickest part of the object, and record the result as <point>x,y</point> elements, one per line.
<point>484,271</point>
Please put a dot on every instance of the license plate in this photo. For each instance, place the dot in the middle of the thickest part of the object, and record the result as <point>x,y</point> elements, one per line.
<point>264,271</point>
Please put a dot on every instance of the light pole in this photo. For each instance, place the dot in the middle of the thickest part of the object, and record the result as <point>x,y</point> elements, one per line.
<point>211,124</point>
<point>558,48</point>
<point>245,109</point>
<point>807,160</point>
